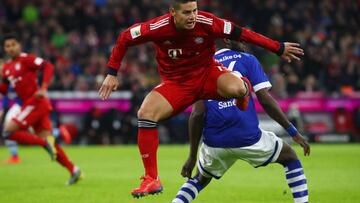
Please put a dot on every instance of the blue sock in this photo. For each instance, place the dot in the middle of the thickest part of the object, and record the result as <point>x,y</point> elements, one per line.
<point>189,191</point>
<point>297,181</point>
<point>13,148</point>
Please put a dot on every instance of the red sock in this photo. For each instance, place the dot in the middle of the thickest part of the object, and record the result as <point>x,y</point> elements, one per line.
<point>24,137</point>
<point>62,159</point>
<point>148,142</point>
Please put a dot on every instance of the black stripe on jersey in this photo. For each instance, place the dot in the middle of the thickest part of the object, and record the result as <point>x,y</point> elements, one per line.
<point>236,33</point>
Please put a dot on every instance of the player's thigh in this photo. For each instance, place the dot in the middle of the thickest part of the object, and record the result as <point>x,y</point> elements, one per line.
<point>265,151</point>
<point>154,107</point>
<point>287,154</point>
<point>11,126</point>
<point>214,85</point>
<point>43,127</point>
<point>30,115</point>
<point>174,98</point>
<point>230,85</point>
<point>214,162</point>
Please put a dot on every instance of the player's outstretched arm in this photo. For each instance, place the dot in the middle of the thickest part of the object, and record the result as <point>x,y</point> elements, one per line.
<point>196,124</point>
<point>134,35</point>
<point>48,73</point>
<point>273,109</point>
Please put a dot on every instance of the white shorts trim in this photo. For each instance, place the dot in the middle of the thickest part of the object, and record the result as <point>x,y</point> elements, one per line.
<point>214,162</point>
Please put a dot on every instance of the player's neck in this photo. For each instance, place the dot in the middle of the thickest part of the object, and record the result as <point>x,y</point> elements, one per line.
<point>15,57</point>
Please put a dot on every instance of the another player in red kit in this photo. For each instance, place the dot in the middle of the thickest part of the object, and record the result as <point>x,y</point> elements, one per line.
<point>21,72</point>
<point>185,43</point>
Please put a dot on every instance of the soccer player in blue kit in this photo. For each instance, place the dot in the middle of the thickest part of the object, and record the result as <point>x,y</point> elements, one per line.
<point>230,134</point>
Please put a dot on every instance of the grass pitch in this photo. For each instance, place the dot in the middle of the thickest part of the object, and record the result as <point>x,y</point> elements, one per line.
<point>333,173</point>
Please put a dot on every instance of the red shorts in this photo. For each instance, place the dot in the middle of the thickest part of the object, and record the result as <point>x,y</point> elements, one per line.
<point>182,95</point>
<point>35,113</point>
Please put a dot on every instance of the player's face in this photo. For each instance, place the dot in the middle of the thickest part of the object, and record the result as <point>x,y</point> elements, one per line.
<point>12,48</point>
<point>185,16</point>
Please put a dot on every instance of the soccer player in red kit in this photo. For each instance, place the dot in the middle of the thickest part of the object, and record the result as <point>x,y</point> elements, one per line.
<point>21,72</point>
<point>185,43</point>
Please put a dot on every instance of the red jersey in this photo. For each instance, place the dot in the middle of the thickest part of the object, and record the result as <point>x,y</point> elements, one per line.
<point>181,54</point>
<point>22,74</point>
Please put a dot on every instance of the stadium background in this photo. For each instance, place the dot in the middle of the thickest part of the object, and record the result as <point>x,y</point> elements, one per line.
<point>321,95</point>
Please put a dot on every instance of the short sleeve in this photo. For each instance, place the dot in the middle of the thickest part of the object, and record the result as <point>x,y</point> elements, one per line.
<point>257,76</point>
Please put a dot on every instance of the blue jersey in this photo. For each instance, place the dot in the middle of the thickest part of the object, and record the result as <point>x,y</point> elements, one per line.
<point>225,125</point>
<point>6,100</point>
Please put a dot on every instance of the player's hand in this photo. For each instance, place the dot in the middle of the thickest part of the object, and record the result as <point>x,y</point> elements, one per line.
<point>292,51</point>
<point>41,93</point>
<point>188,167</point>
<point>303,143</point>
<point>109,84</point>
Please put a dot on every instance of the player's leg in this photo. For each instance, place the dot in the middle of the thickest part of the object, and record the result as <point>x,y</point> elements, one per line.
<point>13,149</point>
<point>12,145</point>
<point>270,149</point>
<point>191,188</point>
<point>294,174</point>
<point>213,163</point>
<point>153,109</point>
<point>228,85</point>
<point>13,131</point>
<point>161,103</point>
<point>61,133</point>
<point>61,158</point>
<point>18,128</point>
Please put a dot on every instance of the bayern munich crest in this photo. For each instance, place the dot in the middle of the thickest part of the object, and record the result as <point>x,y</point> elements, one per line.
<point>199,40</point>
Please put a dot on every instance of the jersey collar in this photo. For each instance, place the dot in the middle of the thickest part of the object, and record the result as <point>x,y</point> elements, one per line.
<point>221,51</point>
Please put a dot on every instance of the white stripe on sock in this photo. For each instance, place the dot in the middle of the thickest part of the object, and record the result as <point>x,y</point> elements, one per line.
<point>299,188</point>
<point>186,195</point>
<point>191,187</point>
<point>297,178</point>
<point>294,171</point>
<point>301,199</point>
<point>177,200</point>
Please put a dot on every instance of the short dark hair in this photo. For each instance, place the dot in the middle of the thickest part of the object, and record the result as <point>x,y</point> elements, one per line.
<point>176,3</point>
<point>10,35</point>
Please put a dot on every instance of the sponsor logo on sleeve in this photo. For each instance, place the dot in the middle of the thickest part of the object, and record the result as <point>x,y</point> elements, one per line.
<point>227,27</point>
<point>135,32</point>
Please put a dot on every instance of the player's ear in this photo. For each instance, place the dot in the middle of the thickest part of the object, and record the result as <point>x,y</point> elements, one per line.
<point>172,11</point>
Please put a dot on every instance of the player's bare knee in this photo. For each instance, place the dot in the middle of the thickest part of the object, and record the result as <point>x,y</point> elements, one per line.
<point>235,91</point>
<point>146,113</point>
<point>287,154</point>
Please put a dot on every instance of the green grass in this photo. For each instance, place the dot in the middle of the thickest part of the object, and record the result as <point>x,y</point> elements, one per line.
<point>333,173</point>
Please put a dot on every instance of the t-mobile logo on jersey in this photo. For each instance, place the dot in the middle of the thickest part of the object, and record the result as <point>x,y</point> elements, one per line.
<point>174,53</point>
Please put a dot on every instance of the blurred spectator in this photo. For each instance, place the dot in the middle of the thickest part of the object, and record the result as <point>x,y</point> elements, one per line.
<point>356,118</point>
<point>343,121</point>
<point>295,117</point>
<point>111,124</point>
<point>91,129</point>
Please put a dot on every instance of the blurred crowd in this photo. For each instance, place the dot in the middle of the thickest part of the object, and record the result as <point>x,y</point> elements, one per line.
<point>78,36</point>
